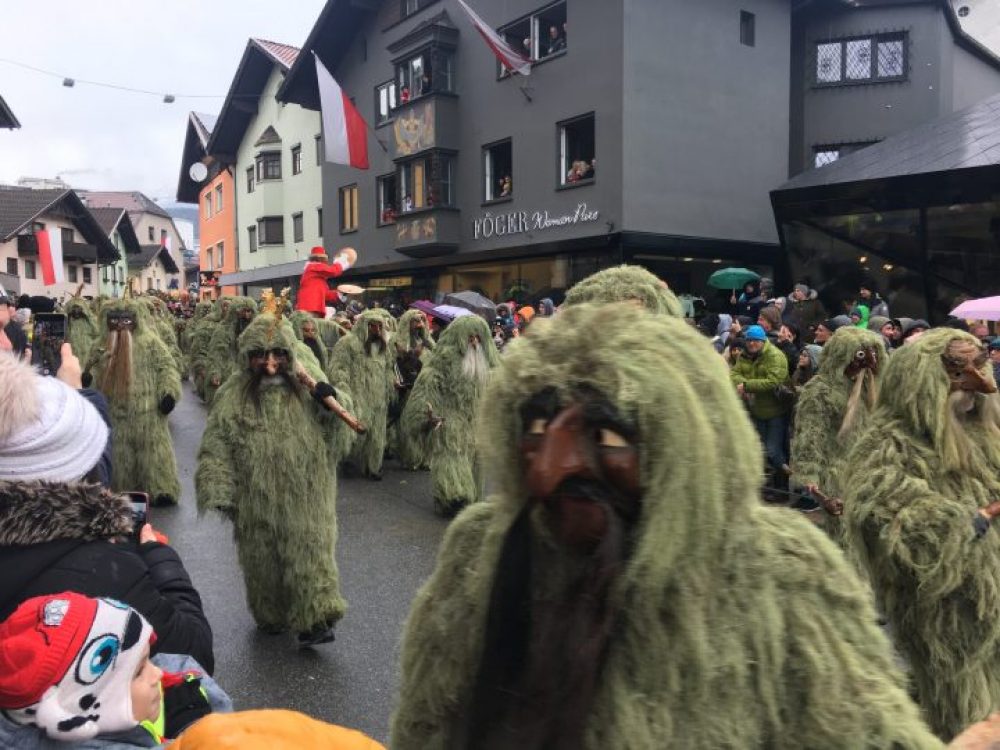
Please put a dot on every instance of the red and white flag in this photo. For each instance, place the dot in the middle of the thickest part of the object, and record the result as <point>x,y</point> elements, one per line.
<point>345,133</point>
<point>165,242</point>
<point>50,255</point>
<point>506,54</point>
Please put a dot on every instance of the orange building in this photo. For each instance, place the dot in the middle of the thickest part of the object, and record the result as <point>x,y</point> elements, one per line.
<point>203,180</point>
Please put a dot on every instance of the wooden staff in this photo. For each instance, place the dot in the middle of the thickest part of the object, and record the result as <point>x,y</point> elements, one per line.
<point>330,402</point>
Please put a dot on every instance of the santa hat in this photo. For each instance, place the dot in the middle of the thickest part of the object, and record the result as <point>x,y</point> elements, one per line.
<point>318,254</point>
<point>47,430</point>
<point>67,662</point>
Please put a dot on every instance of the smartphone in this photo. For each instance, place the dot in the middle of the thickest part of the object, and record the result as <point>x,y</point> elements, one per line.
<point>47,336</point>
<point>140,509</point>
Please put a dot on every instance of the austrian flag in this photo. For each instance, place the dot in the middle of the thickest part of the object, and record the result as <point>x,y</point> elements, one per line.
<point>50,255</point>
<point>507,55</point>
<point>344,130</point>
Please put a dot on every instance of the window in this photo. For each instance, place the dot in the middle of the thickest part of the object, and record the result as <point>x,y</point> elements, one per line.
<point>540,35</point>
<point>163,237</point>
<point>208,205</point>
<point>577,163</point>
<point>497,171</point>
<point>348,208</point>
<point>221,256</point>
<point>210,257</point>
<point>748,22</point>
<point>152,234</point>
<point>319,221</point>
<point>29,269</point>
<point>218,199</point>
<point>104,274</point>
<point>409,7</point>
<point>319,150</point>
<point>297,227</point>
<point>67,236</point>
<point>387,199</point>
<point>868,59</point>
<point>296,159</point>
<point>426,182</point>
<point>269,166</point>
<point>823,155</point>
<point>12,266</point>
<point>250,179</point>
<point>385,101</point>
<point>252,239</point>
<point>421,74</point>
<point>72,274</point>
<point>87,277</point>
<point>271,230</point>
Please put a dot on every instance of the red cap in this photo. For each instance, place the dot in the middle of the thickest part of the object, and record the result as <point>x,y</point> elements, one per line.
<point>39,642</point>
<point>317,253</point>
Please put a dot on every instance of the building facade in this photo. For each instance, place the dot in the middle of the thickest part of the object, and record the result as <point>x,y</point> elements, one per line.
<point>152,270</point>
<point>118,228</point>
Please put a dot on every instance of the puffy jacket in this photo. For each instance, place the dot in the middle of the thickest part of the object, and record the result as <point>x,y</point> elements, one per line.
<point>760,377</point>
<point>58,537</point>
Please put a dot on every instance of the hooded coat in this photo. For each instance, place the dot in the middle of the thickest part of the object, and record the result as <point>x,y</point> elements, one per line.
<point>442,386</point>
<point>272,469</point>
<point>726,637</point>
<point>81,327</point>
<point>298,319</point>
<point>220,357</point>
<point>370,379</point>
<point>915,491</point>
<point>141,446</point>
<point>804,314</point>
<point>406,345</point>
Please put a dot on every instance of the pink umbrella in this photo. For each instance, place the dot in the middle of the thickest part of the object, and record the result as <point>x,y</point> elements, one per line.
<point>986,308</point>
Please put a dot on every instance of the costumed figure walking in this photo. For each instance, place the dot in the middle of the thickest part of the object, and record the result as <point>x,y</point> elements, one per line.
<point>412,346</point>
<point>314,293</point>
<point>82,331</point>
<point>221,357</point>
<point>201,338</point>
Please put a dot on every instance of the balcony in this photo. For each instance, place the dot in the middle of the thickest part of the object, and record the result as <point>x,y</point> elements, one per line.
<point>27,247</point>
<point>427,233</point>
<point>425,123</point>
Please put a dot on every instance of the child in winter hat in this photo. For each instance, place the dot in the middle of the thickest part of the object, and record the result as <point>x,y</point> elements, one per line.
<point>78,667</point>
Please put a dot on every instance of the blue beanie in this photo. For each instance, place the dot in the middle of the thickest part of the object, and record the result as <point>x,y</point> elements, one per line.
<point>755,333</point>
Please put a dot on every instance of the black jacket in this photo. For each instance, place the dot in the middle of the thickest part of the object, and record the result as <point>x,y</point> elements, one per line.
<point>18,338</point>
<point>58,537</point>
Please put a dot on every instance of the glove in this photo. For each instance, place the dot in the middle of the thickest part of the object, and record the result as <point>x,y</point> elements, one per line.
<point>167,404</point>
<point>322,390</point>
<point>184,702</point>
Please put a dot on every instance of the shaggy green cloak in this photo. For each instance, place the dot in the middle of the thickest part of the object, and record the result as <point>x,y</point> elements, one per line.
<point>220,358</point>
<point>298,319</point>
<point>727,636</point>
<point>370,380</point>
<point>911,500</point>
<point>163,324</point>
<point>82,331</point>
<point>142,448</point>
<point>331,332</point>
<point>201,311</point>
<point>201,337</point>
<point>272,470</point>
<point>451,449</point>
<point>411,451</point>
<point>626,284</point>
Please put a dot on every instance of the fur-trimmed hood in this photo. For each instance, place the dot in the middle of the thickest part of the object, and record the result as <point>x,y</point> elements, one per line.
<point>39,512</point>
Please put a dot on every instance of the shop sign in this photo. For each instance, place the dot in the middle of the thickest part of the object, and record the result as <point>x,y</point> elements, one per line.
<point>394,282</point>
<point>517,222</point>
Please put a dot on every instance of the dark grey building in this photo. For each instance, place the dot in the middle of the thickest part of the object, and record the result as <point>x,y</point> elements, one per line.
<point>649,131</point>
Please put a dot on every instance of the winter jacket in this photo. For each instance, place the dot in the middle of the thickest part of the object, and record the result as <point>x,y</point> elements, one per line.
<point>18,338</point>
<point>804,314</point>
<point>58,537</point>
<point>878,306</point>
<point>99,402</point>
<point>31,738</point>
<point>761,376</point>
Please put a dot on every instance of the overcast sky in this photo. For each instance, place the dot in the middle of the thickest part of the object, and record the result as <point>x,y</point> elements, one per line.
<point>114,140</point>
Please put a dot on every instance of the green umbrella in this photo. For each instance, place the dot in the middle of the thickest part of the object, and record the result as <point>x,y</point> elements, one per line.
<point>732,278</point>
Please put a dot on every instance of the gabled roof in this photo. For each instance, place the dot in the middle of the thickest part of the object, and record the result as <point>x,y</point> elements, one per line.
<point>199,132</point>
<point>149,253</point>
<point>20,206</point>
<point>963,139</point>
<point>258,62</point>
<point>7,119</point>
<point>131,200</point>
<point>330,39</point>
<point>204,125</point>
<point>112,219</point>
<point>270,135</point>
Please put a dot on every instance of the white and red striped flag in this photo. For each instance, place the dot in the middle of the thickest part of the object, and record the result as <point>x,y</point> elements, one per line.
<point>345,133</point>
<point>506,54</point>
<point>50,255</point>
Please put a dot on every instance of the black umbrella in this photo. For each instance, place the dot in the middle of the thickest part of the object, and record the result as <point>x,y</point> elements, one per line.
<point>473,302</point>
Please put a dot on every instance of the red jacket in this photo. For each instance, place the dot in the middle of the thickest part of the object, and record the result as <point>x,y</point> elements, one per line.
<point>314,294</point>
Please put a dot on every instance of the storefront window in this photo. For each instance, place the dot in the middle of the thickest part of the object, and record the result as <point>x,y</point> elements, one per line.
<point>964,252</point>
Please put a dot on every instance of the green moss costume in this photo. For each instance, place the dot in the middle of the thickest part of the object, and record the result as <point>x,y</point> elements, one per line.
<point>298,319</point>
<point>726,637</point>
<point>201,311</point>
<point>82,331</point>
<point>405,344</point>
<point>164,326</point>
<point>201,337</point>
<point>915,488</point>
<point>626,284</point>
<point>273,471</point>
<point>369,378</point>
<point>142,448</point>
<point>450,393</point>
<point>221,357</point>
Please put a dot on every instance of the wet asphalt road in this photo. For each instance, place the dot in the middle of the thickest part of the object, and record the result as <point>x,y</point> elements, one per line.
<point>388,540</point>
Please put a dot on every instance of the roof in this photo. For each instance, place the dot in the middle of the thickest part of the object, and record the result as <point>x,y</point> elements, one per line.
<point>199,132</point>
<point>204,124</point>
<point>256,66</point>
<point>964,139</point>
<point>20,206</point>
<point>131,200</point>
<point>7,118</point>
<point>112,219</point>
<point>148,253</point>
<point>108,218</point>
<point>335,28</point>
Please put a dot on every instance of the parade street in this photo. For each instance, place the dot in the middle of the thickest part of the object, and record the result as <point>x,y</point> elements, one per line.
<point>389,535</point>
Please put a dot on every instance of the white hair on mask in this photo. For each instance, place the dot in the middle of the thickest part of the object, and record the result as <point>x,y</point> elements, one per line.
<point>474,364</point>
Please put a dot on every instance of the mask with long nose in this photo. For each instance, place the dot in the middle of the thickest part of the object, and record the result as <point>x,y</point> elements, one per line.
<point>965,364</point>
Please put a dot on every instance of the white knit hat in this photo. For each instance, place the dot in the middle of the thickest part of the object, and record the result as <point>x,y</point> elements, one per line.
<point>47,430</point>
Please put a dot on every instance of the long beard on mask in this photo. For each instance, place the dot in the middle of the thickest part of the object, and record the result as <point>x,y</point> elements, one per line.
<point>964,410</point>
<point>376,344</point>
<point>548,627</point>
<point>260,380</point>
<point>865,391</point>
<point>116,378</point>
<point>474,364</point>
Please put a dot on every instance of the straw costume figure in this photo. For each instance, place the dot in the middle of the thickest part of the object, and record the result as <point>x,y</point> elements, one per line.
<point>222,349</point>
<point>201,338</point>
<point>412,346</point>
<point>82,331</point>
